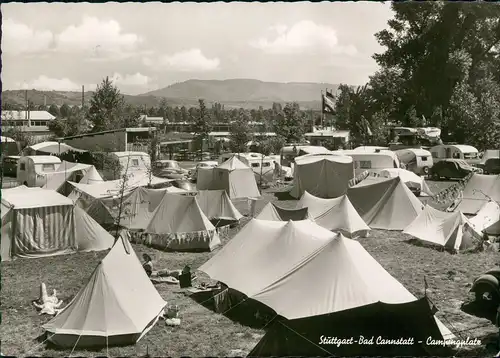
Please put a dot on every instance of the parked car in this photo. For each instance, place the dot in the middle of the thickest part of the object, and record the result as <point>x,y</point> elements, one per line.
<point>487,287</point>
<point>452,169</point>
<point>169,169</point>
<point>9,166</point>
<point>193,172</point>
<point>492,166</point>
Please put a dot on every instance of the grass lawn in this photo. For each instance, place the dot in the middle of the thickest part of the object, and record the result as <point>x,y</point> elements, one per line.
<point>204,333</point>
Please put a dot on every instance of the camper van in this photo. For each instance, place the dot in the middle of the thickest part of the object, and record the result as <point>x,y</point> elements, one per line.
<point>418,161</point>
<point>455,151</point>
<point>32,170</point>
<point>289,153</point>
<point>134,163</point>
<point>373,162</point>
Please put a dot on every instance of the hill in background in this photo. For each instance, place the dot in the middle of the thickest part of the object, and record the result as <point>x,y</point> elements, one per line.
<point>234,93</point>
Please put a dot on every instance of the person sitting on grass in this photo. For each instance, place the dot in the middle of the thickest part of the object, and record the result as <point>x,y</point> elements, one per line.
<point>148,264</point>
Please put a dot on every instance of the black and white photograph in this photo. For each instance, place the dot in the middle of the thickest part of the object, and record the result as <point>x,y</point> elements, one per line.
<point>250,179</point>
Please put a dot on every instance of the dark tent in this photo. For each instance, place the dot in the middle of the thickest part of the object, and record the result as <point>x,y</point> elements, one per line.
<point>315,336</point>
<point>274,213</point>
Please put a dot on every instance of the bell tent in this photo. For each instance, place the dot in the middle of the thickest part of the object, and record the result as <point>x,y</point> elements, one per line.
<point>323,175</point>
<point>387,204</point>
<point>452,231</point>
<point>39,222</point>
<point>275,213</point>
<point>117,306</point>
<point>337,214</point>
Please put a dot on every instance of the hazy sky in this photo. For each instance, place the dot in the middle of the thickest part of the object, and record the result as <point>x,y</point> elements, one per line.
<point>152,45</point>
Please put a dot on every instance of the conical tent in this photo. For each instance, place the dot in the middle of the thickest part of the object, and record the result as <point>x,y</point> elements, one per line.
<point>309,337</point>
<point>478,191</point>
<point>323,175</point>
<point>90,235</point>
<point>92,176</point>
<point>273,212</point>
<point>337,214</point>
<point>217,206</point>
<point>118,305</point>
<point>178,223</point>
<point>236,178</point>
<point>388,204</point>
<point>450,230</point>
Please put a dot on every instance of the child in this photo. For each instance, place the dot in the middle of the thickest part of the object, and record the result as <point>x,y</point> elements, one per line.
<point>148,264</point>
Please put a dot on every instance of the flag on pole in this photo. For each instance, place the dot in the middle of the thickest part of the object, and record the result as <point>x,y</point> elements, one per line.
<point>328,103</point>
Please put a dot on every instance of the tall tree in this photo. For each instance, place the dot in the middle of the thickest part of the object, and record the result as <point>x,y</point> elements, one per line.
<point>54,110</point>
<point>106,106</point>
<point>202,124</point>
<point>64,111</point>
<point>290,123</point>
<point>240,133</point>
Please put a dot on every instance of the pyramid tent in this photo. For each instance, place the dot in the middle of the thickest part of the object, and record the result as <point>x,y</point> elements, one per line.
<point>233,176</point>
<point>39,222</point>
<point>273,212</point>
<point>178,223</point>
<point>486,216</point>
<point>271,261</point>
<point>476,192</point>
<point>337,214</point>
<point>217,206</point>
<point>411,179</point>
<point>323,175</point>
<point>92,176</point>
<point>303,337</point>
<point>449,230</point>
<point>118,305</point>
<point>387,204</point>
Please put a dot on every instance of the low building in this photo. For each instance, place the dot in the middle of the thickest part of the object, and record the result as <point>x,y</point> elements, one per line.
<point>34,123</point>
<point>151,120</point>
<point>116,140</point>
<point>337,138</point>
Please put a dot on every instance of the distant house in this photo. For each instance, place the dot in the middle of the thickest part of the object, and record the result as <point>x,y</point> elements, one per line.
<point>321,137</point>
<point>151,120</point>
<point>35,123</point>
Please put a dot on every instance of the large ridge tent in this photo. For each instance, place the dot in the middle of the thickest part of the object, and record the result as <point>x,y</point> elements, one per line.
<point>310,337</point>
<point>486,216</point>
<point>217,206</point>
<point>323,175</point>
<point>178,223</point>
<point>476,193</point>
<point>275,213</point>
<point>117,306</point>
<point>449,230</point>
<point>271,261</point>
<point>138,207</point>
<point>38,222</point>
<point>387,204</point>
<point>233,176</point>
<point>336,214</point>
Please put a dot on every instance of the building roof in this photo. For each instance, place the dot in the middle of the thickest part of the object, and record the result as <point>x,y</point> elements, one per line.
<point>44,159</point>
<point>154,119</point>
<point>128,130</point>
<point>333,134</point>
<point>33,115</point>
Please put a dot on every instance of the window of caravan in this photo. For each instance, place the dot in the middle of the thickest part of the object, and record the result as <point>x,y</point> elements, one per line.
<point>456,155</point>
<point>365,164</point>
<point>48,167</point>
<point>424,159</point>
<point>255,165</point>
<point>266,164</point>
<point>135,162</point>
<point>472,155</point>
<point>22,166</point>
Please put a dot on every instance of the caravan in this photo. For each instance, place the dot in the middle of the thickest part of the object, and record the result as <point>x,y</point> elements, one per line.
<point>373,162</point>
<point>32,170</point>
<point>418,161</point>
<point>455,151</point>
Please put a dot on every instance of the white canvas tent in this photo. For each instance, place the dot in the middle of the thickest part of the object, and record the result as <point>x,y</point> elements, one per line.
<point>337,214</point>
<point>271,261</point>
<point>275,213</point>
<point>448,230</point>
<point>68,171</point>
<point>118,305</point>
<point>323,175</point>
<point>387,204</point>
<point>233,176</point>
<point>486,216</point>
<point>38,222</point>
<point>217,206</point>
<point>178,223</point>
<point>411,179</point>
<point>476,193</point>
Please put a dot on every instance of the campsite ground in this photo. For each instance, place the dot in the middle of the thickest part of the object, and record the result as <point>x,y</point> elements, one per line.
<point>205,333</point>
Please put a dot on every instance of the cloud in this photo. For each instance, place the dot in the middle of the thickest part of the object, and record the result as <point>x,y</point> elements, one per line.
<point>100,37</point>
<point>186,61</point>
<point>303,37</point>
<point>131,80</point>
<point>19,38</point>
<point>44,83</point>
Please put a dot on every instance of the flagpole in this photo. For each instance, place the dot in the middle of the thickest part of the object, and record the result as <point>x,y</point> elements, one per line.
<point>322,110</point>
